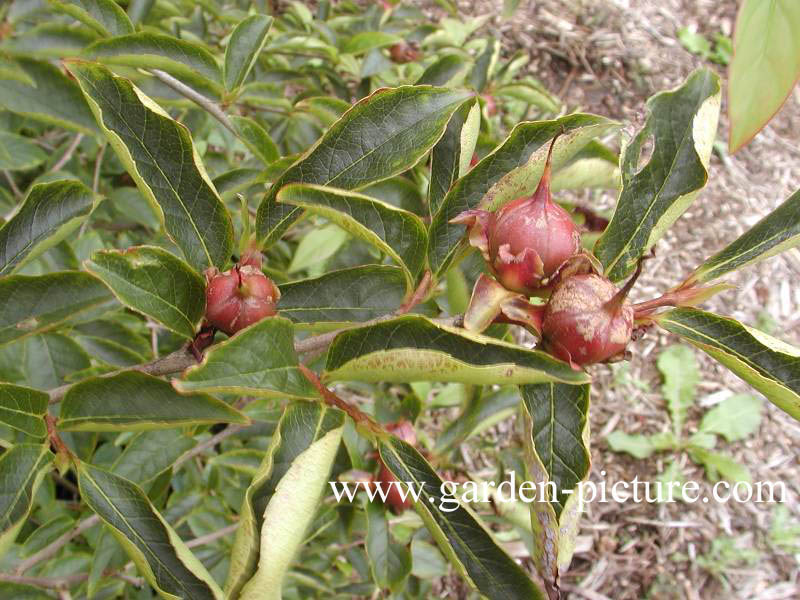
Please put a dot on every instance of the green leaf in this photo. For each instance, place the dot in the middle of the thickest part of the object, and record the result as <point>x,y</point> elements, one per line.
<point>384,134</point>
<point>242,460</point>
<point>317,246</point>
<point>150,453</point>
<point>243,48</point>
<point>719,465</point>
<point>637,445</point>
<point>443,71</point>
<point>461,536</point>
<point>595,166</point>
<point>23,409</point>
<point>679,369</point>
<point>183,59</point>
<point>365,41</point>
<point>50,358</point>
<point>735,418</point>
<point>412,348</point>
<point>350,295</point>
<point>778,231</point>
<point>765,66</point>
<point>159,554</point>
<point>134,401</point>
<point>281,500</point>
<point>32,304</point>
<point>395,232</point>
<point>481,412</point>
<point>106,17</point>
<point>681,127</point>
<point>531,94</point>
<point>19,591</point>
<point>557,443</point>
<point>452,154</point>
<point>22,468</point>
<point>769,365</point>
<point>259,360</point>
<point>512,170</point>
<point>256,139</point>
<point>694,42</point>
<point>155,283</point>
<point>560,435</point>
<point>52,97</point>
<point>389,561</point>
<point>18,153</point>
<point>50,213</point>
<point>484,65</point>
<point>159,155</point>
<point>51,40</point>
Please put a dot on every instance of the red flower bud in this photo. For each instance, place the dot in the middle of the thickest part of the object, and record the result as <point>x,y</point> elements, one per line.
<point>491,105</point>
<point>587,320</point>
<point>239,297</point>
<point>526,241</point>
<point>403,52</point>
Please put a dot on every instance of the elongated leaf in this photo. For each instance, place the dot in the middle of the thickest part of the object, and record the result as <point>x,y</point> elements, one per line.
<point>682,126</point>
<point>347,296</point>
<point>512,170</point>
<point>186,60</point>
<point>282,498</point>
<point>244,46</point>
<point>461,537</point>
<point>52,97</point>
<point>769,365</point>
<point>531,94</point>
<point>160,555</point>
<point>18,153</point>
<point>444,70</point>
<point>389,561</point>
<point>52,40</point>
<point>595,166</point>
<point>368,40</point>
<point>557,440</point>
<point>50,358</point>
<point>412,348</point>
<point>32,304</point>
<point>155,283</point>
<point>133,401</point>
<point>778,231</point>
<point>256,139</point>
<point>481,412</point>
<point>381,136</point>
<point>22,468</point>
<point>452,154</point>
<point>49,214</point>
<point>159,155</point>
<point>398,233</point>
<point>765,65</point>
<point>484,65</point>
<point>23,409</point>
<point>106,17</point>
<point>150,453</point>
<point>259,360</point>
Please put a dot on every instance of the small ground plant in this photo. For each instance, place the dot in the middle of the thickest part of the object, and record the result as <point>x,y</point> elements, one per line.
<point>250,250</point>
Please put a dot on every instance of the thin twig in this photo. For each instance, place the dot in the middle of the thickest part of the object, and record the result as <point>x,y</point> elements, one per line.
<point>68,154</point>
<point>45,582</point>
<point>98,162</point>
<point>209,443</point>
<point>12,184</point>
<point>212,537</point>
<point>332,399</point>
<point>54,546</point>
<point>184,90</point>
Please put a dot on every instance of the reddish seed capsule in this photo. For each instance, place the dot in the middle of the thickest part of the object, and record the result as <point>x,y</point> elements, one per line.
<point>526,241</point>
<point>404,52</point>
<point>587,320</point>
<point>239,297</point>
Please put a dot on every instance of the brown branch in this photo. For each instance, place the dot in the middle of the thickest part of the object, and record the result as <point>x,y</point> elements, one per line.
<point>209,443</point>
<point>12,183</point>
<point>212,537</point>
<point>332,399</point>
<point>45,582</point>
